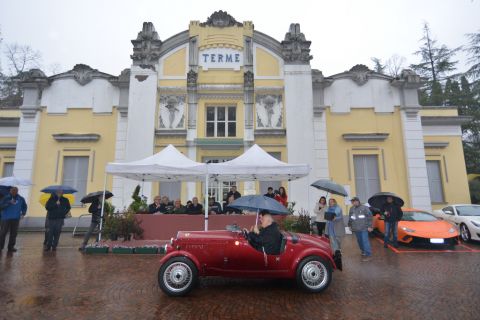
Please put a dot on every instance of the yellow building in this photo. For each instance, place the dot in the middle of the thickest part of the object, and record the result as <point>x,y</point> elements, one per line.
<point>213,91</point>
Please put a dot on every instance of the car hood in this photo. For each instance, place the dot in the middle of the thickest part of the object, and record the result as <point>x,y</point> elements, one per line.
<point>429,229</point>
<point>310,240</point>
<point>471,218</point>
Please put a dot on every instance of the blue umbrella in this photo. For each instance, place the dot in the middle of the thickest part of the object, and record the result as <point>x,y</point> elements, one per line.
<point>259,203</point>
<point>54,188</point>
<point>330,187</point>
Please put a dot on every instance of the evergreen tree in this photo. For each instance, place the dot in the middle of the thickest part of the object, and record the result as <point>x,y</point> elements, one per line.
<point>377,65</point>
<point>473,51</point>
<point>448,93</point>
<point>436,95</point>
<point>469,105</point>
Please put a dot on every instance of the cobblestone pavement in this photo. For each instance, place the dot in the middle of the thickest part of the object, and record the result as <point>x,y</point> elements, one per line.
<point>71,285</point>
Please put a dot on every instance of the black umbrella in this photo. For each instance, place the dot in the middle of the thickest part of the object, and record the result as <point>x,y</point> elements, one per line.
<point>380,198</point>
<point>330,187</point>
<point>89,198</point>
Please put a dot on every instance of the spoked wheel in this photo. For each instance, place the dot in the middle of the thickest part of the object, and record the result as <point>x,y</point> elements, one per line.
<point>464,233</point>
<point>177,276</point>
<point>314,274</point>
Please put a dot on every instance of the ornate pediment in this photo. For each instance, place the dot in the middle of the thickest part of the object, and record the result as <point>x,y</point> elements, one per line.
<point>295,48</point>
<point>360,74</point>
<point>221,19</point>
<point>82,73</point>
<point>146,48</point>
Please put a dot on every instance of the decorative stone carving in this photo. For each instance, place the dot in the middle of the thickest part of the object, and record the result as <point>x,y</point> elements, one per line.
<point>33,75</point>
<point>269,111</point>
<point>360,74</point>
<point>192,77</point>
<point>172,112</point>
<point>221,19</point>
<point>410,76</point>
<point>295,48</point>
<point>146,48</point>
<point>83,74</point>
<point>248,80</point>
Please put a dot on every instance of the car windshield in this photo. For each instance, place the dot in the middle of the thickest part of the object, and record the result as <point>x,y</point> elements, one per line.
<point>468,210</point>
<point>417,216</point>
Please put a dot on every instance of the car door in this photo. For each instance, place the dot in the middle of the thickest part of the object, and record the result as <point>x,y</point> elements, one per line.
<point>240,257</point>
<point>448,214</point>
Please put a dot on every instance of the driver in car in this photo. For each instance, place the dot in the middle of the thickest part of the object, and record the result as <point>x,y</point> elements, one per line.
<point>268,239</point>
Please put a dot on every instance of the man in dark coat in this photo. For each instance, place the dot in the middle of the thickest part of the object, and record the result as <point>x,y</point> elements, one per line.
<point>233,192</point>
<point>270,193</point>
<point>57,208</point>
<point>96,210</point>
<point>195,207</point>
<point>269,238</point>
<point>392,213</point>
<point>13,207</point>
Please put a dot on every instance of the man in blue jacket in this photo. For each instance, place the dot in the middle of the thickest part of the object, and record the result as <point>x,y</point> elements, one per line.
<point>13,207</point>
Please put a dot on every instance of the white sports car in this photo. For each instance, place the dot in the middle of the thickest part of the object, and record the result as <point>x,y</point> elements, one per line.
<point>465,216</point>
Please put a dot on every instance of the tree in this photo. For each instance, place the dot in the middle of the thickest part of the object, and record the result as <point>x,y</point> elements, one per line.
<point>377,65</point>
<point>436,62</point>
<point>436,95</point>
<point>473,51</point>
<point>395,65</point>
<point>19,59</point>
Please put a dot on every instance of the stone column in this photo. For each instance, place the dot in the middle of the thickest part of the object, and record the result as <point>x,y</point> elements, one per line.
<point>298,112</point>
<point>412,130</point>
<point>33,83</point>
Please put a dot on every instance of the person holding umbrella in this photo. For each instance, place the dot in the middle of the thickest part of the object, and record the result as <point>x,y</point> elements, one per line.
<point>13,207</point>
<point>335,226</point>
<point>57,208</point>
<point>393,213</point>
<point>360,222</point>
<point>268,239</point>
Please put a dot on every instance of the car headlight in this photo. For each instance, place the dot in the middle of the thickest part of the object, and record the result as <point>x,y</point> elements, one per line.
<point>407,229</point>
<point>452,230</point>
<point>476,224</point>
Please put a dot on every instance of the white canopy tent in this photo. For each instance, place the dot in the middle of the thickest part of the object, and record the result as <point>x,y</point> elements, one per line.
<point>171,165</point>
<point>256,164</point>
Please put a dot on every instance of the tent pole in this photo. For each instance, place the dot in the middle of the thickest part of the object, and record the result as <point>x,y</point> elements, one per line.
<point>103,206</point>
<point>206,203</point>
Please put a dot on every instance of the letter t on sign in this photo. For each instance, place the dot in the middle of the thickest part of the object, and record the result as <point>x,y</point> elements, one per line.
<point>205,57</point>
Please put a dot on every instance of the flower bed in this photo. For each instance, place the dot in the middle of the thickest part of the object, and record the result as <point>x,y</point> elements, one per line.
<point>96,248</point>
<point>122,250</point>
<point>147,250</point>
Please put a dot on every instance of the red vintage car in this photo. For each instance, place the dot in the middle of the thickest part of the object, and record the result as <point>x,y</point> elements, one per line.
<point>193,254</point>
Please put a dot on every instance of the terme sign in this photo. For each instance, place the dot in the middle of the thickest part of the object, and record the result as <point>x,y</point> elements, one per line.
<point>220,58</point>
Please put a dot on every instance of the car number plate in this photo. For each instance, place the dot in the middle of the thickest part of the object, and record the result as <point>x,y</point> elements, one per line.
<point>434,240</point>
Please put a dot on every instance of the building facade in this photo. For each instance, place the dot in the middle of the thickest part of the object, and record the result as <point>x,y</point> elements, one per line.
<point>213,91</point>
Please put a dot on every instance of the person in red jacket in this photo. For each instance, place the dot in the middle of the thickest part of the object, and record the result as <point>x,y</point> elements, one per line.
<point>281,196</point>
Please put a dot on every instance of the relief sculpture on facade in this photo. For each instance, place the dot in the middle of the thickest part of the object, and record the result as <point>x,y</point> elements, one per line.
<point>269,111</point>
<point>172,112</point>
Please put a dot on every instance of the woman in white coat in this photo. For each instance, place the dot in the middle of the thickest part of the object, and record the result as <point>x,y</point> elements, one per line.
<point>320,208</point>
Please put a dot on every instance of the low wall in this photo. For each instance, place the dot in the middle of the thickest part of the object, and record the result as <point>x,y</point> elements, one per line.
<point>164,227</point>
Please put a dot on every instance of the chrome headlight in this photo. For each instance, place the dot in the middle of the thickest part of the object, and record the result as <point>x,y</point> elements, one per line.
<point>476,224</point>
<point>451,230</point>
<point>407,229</point>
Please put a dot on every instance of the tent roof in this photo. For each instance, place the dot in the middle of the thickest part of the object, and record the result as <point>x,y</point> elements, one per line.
<point>166,165</point>
<point>256,164</point>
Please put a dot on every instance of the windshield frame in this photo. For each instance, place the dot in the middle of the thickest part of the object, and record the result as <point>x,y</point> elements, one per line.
<point>468,215</point>
<point>406,213</point>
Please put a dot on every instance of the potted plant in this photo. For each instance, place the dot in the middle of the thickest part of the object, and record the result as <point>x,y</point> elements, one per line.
<point>129,226</point>
<point>147,249</point>
<point>98,247</point>
<point>119,249</point>
<point>139,203</point>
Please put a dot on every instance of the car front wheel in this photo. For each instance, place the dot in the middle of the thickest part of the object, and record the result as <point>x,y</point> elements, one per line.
<point>464,233</point>
<point>177,276</point>
<point>314,274</point>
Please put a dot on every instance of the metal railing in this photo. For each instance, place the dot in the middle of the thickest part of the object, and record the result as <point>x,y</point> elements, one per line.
<point>78,220</point>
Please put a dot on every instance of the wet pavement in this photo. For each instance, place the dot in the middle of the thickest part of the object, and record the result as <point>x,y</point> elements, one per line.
<point>70,285</point>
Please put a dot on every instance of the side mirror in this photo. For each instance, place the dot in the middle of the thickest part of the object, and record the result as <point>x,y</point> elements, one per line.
<point>448,212</point>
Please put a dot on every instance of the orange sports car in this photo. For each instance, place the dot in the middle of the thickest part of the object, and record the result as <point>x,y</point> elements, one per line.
<point>418,227</point>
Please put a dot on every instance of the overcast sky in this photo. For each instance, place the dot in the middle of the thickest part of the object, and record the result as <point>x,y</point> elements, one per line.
<point>343,33</point>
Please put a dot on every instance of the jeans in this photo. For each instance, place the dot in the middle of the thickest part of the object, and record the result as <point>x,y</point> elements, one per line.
<point>87,236</point>
<point>11,227</point>
<point>54,230</point>
<point>335,243</point>
<point>391,227</point>
<point>363,242</point>
<point>320,227</point>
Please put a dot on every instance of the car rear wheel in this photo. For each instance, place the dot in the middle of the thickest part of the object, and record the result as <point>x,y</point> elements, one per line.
<point>177,276</point>
<point>464,233</point>
<point>314,274</point>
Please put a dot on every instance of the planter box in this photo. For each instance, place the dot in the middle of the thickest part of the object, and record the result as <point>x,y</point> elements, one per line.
<point>122,250</point>
<point>142,250</point>
<point>96,250</point>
